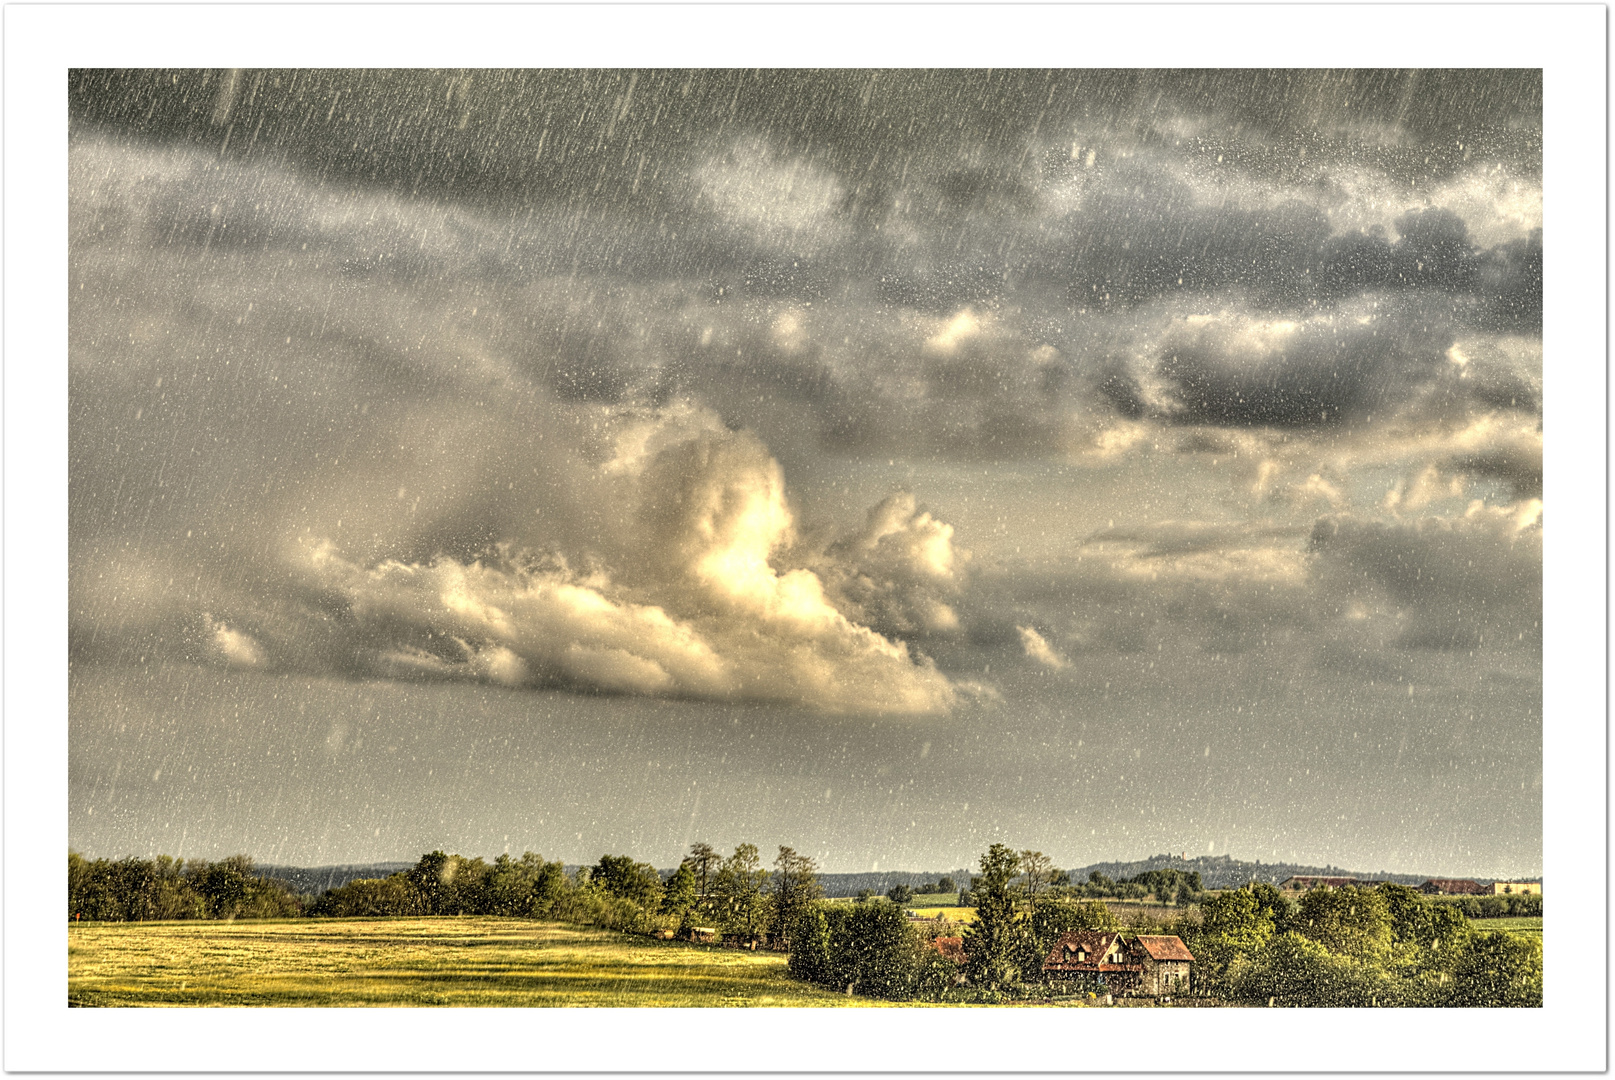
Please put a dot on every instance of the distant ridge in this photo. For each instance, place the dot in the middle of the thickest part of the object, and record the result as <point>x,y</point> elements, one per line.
<point>1227,872</point>
<point>1216,872</point>
<point>312,881</point>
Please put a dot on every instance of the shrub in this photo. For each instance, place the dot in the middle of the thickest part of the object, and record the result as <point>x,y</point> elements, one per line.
<point>1497,970</point>
<point>1292,970</point>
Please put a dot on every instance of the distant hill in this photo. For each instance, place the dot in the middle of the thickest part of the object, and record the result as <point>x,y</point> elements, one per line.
<point>881,881</point>
<point>1227,872</point>
<point>312,881</point>
<point>1216,872</point>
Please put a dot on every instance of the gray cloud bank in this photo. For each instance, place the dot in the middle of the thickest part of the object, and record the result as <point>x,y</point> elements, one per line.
<point>544,432</point>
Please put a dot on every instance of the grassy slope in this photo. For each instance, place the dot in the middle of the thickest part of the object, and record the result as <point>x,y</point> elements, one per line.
<point>447,961</point>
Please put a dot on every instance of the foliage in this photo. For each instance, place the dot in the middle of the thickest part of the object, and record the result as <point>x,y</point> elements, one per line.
<point>900,894</point>
<point>1514,905</point>
<point>1294,970</point>
<point>796,885</point>
<point>621,876</point>
<point>991,941</point>
<point>1048,920</point>
<point>738,902</point>
<point>134,889</point>
<point>703,862</point>
<point>1496,970</point>
<point>679,896</point>
<point>809,937</point>
<point>1349,921</point>
<point>874,951</point>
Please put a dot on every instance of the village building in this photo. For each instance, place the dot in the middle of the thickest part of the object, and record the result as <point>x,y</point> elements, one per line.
<point>1153,965</point>
<point>1304,882</point>
<point>1454,887</point>
<point>1516,888</point>
<point>1165,961</point>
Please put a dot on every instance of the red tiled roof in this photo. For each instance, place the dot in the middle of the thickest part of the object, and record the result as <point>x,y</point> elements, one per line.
<point>1093,943</point>
<point>1164,947</point>
<point>951,947</point>
<point>1310,881</point>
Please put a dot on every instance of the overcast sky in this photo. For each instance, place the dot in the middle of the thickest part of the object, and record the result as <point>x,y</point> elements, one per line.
<point>880,463</point>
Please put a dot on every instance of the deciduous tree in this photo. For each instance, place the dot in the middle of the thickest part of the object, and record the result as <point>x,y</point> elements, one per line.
<point>796,885</point>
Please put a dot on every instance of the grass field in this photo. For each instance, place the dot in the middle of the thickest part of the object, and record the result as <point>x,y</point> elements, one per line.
<point>414,962</point>
<point>955,914</point>
<point>1519,924</point>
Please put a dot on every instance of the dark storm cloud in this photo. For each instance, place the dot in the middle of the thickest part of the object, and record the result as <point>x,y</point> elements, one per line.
<point>280,341</point>
<point>1069,229</point>
<point>936,188</point>
<point>1456,583</point>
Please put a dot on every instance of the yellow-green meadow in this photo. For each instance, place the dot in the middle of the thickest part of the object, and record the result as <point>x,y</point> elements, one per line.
<point>459,961</point>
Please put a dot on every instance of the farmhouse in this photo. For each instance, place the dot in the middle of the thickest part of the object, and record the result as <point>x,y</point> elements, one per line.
<point>1517,888</point>
<point>1453,887</point>
<point>1149,964</point>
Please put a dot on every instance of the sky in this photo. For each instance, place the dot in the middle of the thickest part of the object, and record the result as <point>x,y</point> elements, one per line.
<point>882,463</point>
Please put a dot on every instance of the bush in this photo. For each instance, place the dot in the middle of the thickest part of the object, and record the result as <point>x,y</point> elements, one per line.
<point>874,951</point>
<point>1496,970</point>
<point>810,947</point>
<point>1295,971</point>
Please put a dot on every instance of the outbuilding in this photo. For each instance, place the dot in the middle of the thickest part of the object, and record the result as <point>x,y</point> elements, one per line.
<point>1165,961</point>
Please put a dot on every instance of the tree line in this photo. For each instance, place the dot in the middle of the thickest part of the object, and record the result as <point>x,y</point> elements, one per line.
<point>132,890</point>
<point>1383,946</point>
<point>1387,946</point>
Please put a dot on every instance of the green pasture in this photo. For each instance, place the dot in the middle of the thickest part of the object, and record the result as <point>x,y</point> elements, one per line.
<point>1514,924</point>
<point>467,961</point>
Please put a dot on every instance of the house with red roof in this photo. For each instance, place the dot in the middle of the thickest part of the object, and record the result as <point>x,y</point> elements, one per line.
<point>1151,964</point>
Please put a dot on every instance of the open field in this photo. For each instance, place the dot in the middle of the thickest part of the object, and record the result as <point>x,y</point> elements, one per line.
<point>468,961</point>
<point>955,914</point>
<point>1514,924</point>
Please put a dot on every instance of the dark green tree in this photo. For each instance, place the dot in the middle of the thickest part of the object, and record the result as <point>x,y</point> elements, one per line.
<point>809,938</point>
<point>900,894</point>
<point>796,886</point>
<point>737,892</point>
<point>704,861</point>
<point>620,875</point>
<point>990,941</point>
<point>874,951</point>
<point>1048,920</point>
<point>678,895</point>
<point>430,878</point>
<point>224,885</point>
<point>946,885</point>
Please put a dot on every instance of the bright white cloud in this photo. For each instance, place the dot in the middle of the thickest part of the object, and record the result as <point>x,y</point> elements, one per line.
<point>1038,648</point>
